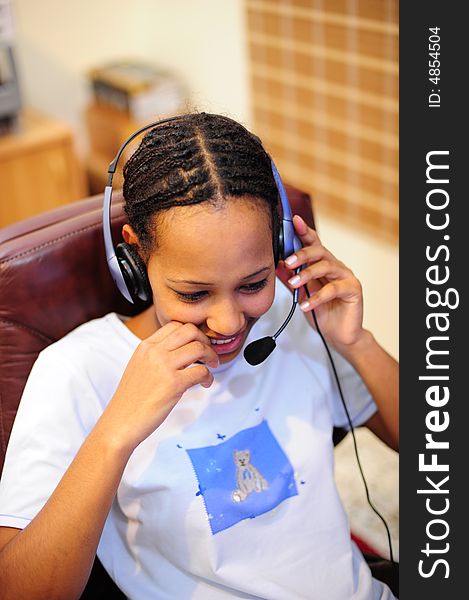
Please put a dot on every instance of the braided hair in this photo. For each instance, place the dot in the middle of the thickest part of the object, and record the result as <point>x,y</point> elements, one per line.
<point>196,158</point>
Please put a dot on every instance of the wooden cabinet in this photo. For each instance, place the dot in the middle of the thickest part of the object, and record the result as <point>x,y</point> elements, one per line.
<point>39,169</point>
<point>107,129</point>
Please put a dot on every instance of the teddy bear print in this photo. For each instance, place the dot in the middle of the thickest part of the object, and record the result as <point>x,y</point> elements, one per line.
<point>248,478</point>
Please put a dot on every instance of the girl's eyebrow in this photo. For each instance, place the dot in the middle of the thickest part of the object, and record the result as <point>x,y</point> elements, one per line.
<point>204,283</point>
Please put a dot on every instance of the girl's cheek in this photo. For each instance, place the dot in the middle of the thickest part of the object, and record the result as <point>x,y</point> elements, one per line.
<point>260,304</point>
<point>179,311</point>
<point>169,308</point>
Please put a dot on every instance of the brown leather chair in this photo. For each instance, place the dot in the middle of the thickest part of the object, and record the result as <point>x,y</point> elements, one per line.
<point>54,277</point>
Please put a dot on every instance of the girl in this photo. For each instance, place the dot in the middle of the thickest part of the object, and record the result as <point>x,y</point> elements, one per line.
<point>191,473</point>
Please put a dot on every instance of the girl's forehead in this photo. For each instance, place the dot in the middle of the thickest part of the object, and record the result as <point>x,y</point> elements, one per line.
<point>212,221</point>
<point>232,241</point>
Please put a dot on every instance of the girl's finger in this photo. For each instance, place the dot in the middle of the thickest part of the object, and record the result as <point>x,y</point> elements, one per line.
<point>163,332</point>
<point>196,374</point>
<point>308,254</point>
<point>307,235</point>
<point>184,335</point>
<point>330,270</point>
<point>342,290</point>
<point>195,351</point>
<point>283,272</point>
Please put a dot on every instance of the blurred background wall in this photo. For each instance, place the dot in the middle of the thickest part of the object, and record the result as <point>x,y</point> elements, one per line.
<point>201,41</point>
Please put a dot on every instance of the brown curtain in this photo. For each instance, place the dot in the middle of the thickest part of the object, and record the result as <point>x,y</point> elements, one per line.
<point>324,89</point>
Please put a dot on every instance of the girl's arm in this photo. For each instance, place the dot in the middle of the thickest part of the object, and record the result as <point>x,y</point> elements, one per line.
<point>337,300</point>
<point>380,372</point>
<point>52,557</point>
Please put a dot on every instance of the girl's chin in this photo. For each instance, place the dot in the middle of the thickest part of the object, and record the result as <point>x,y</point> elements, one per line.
<point>226,358</point>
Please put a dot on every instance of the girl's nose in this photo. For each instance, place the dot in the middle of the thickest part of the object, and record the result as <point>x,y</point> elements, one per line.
<point>226,318</point>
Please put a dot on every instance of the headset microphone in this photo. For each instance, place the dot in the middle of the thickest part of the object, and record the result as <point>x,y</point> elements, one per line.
<point>257,351</point>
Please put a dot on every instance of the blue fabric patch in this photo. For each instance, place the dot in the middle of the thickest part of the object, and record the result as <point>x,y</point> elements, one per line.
<point>243,477</point>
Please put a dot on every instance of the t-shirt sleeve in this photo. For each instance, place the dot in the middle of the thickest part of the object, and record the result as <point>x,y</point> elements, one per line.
<point>358,400</point>
<point>57,411</point>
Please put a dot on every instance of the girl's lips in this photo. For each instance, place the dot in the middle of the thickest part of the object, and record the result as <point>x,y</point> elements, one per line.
<point>227,345</point>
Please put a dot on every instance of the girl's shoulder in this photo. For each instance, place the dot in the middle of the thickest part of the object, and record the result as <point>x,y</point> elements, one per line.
<point>93,354</point>
<point>106,334</point>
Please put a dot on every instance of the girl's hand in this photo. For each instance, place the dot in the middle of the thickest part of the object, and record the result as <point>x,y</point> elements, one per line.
<point>336,294</point>
<point>154,380</point>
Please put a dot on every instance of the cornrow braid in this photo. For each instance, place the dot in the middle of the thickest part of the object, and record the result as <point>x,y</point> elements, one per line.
<point>196,158</point>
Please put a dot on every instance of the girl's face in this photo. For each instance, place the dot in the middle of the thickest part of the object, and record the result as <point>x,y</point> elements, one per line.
<point>214,268</point>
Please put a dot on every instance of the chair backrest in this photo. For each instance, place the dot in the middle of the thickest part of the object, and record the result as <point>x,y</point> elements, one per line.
<point>54,277</point>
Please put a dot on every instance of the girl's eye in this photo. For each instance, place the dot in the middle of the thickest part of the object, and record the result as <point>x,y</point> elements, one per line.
<point>251,288</point>
<point>191,297</point>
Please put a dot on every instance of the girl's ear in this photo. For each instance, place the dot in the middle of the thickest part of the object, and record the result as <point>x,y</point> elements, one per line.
<point>129,235</point>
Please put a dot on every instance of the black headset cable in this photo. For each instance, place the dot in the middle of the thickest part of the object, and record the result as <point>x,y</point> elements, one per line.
<point>352,431</point>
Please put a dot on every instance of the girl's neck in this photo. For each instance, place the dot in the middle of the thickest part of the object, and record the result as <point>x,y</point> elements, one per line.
<point>144,324</point>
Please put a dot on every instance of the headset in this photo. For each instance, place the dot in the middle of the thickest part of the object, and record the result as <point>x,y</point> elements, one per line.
<point>130,275</point>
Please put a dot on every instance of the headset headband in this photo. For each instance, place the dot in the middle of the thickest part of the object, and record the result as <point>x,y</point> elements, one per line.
<point>290,242</point>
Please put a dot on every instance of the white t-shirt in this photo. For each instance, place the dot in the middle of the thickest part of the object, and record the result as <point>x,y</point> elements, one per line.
<point>233,496</point>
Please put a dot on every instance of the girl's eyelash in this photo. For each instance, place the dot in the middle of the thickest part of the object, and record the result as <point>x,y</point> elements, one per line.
<point>254,287</point>
<point>194,297</point>
<point>249,288</point>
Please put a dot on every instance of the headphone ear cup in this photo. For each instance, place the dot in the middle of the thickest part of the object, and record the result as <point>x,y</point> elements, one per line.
<point>278,236</point>
<point>134,272</point>
<point>278,243</point>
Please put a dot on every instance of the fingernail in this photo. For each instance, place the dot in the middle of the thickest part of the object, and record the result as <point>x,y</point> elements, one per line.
<point>304,305</point>
<point>291,260</point>
<point>294,280</point>
<point>214,364</point>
